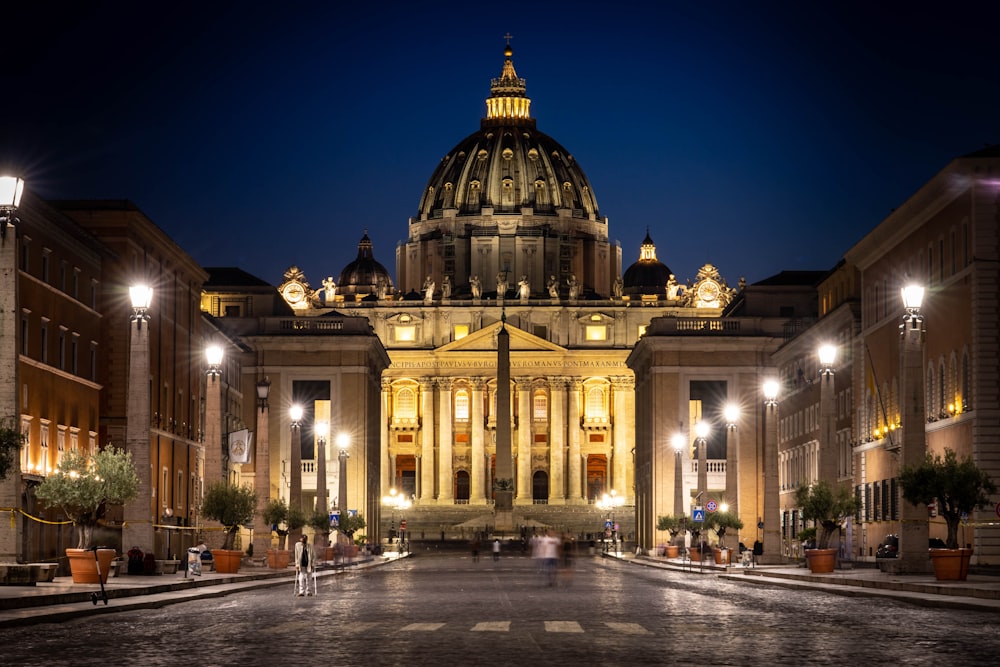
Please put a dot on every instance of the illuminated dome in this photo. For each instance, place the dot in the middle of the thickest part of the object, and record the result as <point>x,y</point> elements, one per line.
<point>648,275</point>
<point>508,199</point>
<point>364,275</point>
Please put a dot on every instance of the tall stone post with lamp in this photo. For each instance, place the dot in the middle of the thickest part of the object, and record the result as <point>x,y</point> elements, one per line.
<point>913,534</point>
<point>262,470</point>
<point>827,415</point>
<point>139,514</point>
<point>503,519</point>
<point>11,188</point>
<point>295,468</point>
<point>732,414</point>
<point>772,505</point>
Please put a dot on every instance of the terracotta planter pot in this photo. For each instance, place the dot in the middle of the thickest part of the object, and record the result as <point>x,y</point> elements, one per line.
<point>83,567</point>
<point>722,556</point>
<point>227,561</point>
<point>951,564</point>
<point>672,551</point>
<point>278,559</point>
<point>821,561</point>
<point>695,553</point>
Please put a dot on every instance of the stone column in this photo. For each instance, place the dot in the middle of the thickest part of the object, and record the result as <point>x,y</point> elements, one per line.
<point>12,534</point>
<point>914,533</point>
<point>624,429</point>
<point>557,441</point>
<point>388,476</point>
<point>575,494</point>
<point>524,441</point>
<point>477,487</point>
<point>213,430</point>
<point>295,477</point>
<point>262,479</point>
<point>772,506</point>
<point>139,517</point>
<point>446,494</point>
<point>426,440</point>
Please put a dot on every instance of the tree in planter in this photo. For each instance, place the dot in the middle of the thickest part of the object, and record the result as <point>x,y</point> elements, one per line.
<point>720,522</point>
<point>957,486</point>
<point>829,507</point>
<point>675,524</point>
<point>320,522</point>
<point>230,505</point>
<point>84,486</point>
<point>11,441</point>
<point>351,524</point>
<point>275,514</point>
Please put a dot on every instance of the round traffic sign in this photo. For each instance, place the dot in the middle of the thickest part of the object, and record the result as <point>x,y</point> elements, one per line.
<point>711,506</point>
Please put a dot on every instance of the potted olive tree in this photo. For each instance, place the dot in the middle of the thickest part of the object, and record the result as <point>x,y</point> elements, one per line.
<point>828,507</point>
<point>674,524</point>
<point>232,506</point>
<point>958,487</point>
<point>348,525</point>
<point>83,487</point>
<point>276,515</point>
<point>720,522</point>
<point>319,521</point>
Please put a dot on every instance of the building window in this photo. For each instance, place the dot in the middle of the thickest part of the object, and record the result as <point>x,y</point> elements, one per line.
<point>595,404</point>
<point>74,354</point>
<point>597,332</point>
<point>406,404</point>
<point>61,353</point>
<point>460,331</point>
<point>43,339</point>
<point>24,335</point>
<point>45,264</point>
<point>462,405</point>
<point>406,334</point>
<point>540,407</point>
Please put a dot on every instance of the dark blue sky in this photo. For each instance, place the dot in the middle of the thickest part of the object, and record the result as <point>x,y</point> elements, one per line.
<point>757,136</point>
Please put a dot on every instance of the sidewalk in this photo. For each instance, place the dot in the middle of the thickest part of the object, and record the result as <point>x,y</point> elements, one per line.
<point>978,592</point>
<point>61,599</point>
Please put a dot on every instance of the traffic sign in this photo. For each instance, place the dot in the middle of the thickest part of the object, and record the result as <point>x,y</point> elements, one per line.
<point>711,506</point>
<point>402,524</point>
<point>698,515</point>
<point>607,524</point>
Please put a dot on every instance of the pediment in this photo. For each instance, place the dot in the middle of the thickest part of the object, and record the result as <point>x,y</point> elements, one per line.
<point>485,340</point>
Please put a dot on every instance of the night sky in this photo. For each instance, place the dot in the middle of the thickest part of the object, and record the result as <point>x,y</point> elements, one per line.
<point>758,136</point>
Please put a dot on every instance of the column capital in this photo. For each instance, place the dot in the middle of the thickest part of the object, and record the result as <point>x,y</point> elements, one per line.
<point>443,384</point>
<point>622,382</point>
<point>478,384</point>
<point>386,384</point>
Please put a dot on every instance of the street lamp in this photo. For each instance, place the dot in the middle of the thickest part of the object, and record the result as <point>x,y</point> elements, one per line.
<point>396,501</point>
<point>608,503</point>
<point>772,534</point>
<point>295,466</point>
<point>731,413</point>
<point>343,442</point>
<point>827,414</point>
<point>701,431</point>
<point>678,441</point>
<point>913,519</point>
<point>11,188</point>
<point>262,469</point>
<point>138,515</point>
<point>322,429</point>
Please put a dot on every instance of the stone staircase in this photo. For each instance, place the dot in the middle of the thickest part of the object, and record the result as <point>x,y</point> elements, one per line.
<point>459,522</point>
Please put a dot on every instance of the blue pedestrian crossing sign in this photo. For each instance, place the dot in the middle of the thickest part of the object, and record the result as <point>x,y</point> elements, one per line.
<point>607,524</point>
<point>698,515</point>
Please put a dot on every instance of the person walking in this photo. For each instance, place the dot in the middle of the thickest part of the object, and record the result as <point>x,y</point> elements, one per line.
<point>305,559</point>
<point>496,550</point>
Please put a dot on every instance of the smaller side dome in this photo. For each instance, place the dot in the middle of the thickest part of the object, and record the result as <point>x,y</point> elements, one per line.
<point>365,276</point>
<point>648,275</point>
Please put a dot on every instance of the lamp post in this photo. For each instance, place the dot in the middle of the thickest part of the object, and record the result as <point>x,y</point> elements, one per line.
<point>827,413</point>
<point>343,443</point>
<point>295,468</point>
<point>396,501</point>
<point>608,503</point>
<point>11,188</point>
<point>701,431</point>
<point>322,429</point>
<point>139,514</point>
<point>772,531</point>
<point>678,441</point>
<point>214,470</point>
<point>262,470</point>
<point>732,413</point>
<point>913,519</point>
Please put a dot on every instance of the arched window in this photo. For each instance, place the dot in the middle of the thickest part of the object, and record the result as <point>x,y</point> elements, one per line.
<point>931,409</point>
<point>462,405</point>
<point>540,407</point>
<point>966,384</point>
<point>942,404</point>
<point>406,403</point>
<point>595,403</point>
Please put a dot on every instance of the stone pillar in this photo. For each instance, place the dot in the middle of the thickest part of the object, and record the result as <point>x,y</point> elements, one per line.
<point>524,442</point>
<point>477,476</point>
<point>772,506</point>
<point>557,441</point>
<point>12,534</point>
<point>261,480</point>
<point>388,467</point>
<point>295,477</point>
<point>914,533</point>
<point>624,430</point>
<point>575,493</point>
<point>138,515</point>
<point>446,494</point>
<point>213,430</point>
<point>828,438</point>
<point>426,440</point>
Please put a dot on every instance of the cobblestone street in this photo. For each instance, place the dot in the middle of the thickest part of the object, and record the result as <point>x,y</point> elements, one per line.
<point>448,610</point>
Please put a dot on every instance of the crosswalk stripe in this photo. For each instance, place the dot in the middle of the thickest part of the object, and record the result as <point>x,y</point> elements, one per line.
<point>628,628</point>
<point>492,626</point>
<point>422,627</point>
<point>562,626</point>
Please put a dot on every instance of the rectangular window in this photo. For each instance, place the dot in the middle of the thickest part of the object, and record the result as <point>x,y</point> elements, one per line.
<point>460,331</point>
<point>45,265</point>
<point>24,335</point>
<point>541,407</point>
<point>406,334</point>
<point>44,340</point>
<point>597,332</point>
<point>74,355</point>
<point>61,352</point>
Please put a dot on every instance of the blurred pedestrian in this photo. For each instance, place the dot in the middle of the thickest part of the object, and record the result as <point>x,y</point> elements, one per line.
<point>305,558</point>
<point>496,550</point>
